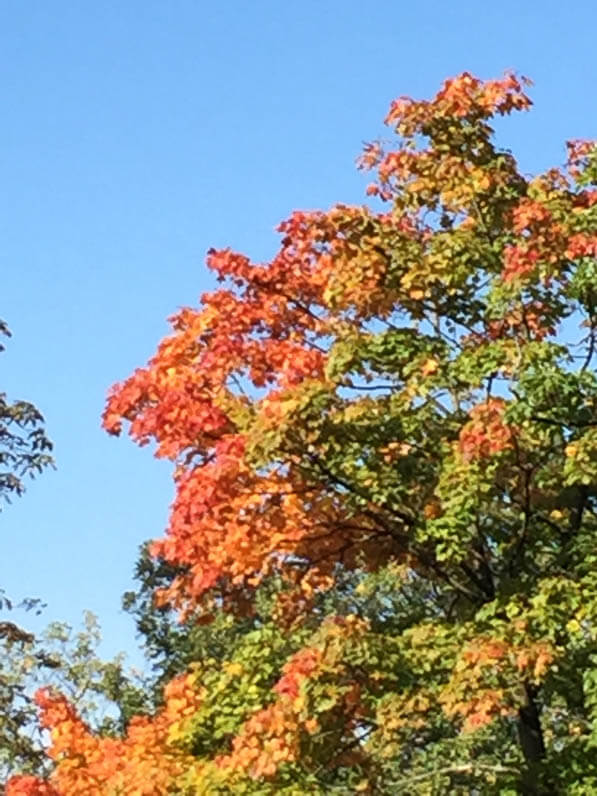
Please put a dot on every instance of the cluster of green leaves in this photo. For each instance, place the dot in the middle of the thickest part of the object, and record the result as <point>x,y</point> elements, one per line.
<point>24,446</point>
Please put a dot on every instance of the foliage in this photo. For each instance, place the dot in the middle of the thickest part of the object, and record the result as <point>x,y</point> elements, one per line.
<point>171,646</point>
<point>25,450</point>
<point>24,446</point>
<point>66,661</point>
<point>393,421</point>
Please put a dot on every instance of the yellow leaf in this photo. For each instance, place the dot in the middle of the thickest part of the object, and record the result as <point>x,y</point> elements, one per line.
<point>299,703</point>
<point>429,367</point>
<point>573,626</point>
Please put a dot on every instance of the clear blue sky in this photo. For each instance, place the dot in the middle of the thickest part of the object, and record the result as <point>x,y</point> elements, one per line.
<point>136,135</point>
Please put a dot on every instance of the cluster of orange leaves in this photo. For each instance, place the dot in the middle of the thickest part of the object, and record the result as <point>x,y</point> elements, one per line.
<point>452,178</point>
<point>144,762</point>
<point>489,658</point>
<point>529,321</point>
<point>461,96</point>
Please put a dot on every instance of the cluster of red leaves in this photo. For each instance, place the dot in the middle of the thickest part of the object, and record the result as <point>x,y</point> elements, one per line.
<point>579,152</point>
<point>486,433</point>
<point>229,522</point>
<point>547,235</point>
<point>530,216</point>
<point>519,261</point>
<point>582,245</point>
<point>29,785</point>
<point>554,246</point>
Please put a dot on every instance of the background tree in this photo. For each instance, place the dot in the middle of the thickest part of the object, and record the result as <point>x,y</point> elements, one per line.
<point>25,450</point>
<point>400,407</point>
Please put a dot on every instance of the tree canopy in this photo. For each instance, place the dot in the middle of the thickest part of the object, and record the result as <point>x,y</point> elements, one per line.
<point>385,449</point>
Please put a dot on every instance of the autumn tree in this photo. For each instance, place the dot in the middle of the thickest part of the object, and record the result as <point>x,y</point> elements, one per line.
<point>394,423</point>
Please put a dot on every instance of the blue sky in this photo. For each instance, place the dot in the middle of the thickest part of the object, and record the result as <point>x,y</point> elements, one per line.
<point>136,135</point>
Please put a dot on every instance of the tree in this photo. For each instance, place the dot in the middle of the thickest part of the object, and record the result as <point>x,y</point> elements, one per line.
<point>25,450</point>
<point>394,423</point>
